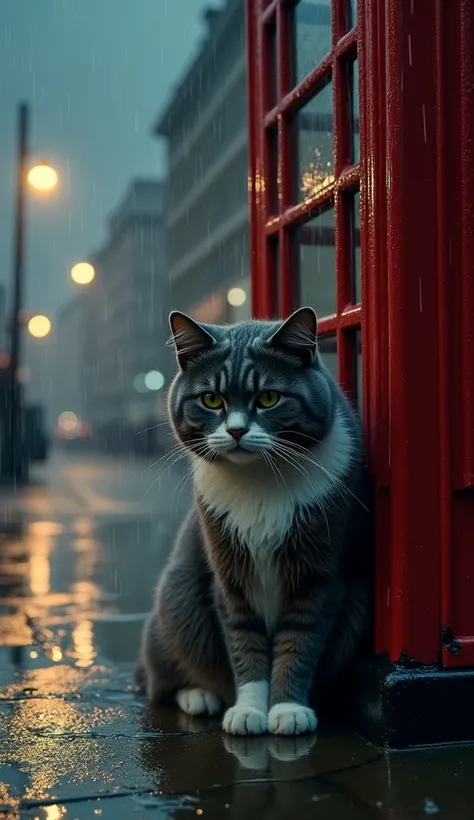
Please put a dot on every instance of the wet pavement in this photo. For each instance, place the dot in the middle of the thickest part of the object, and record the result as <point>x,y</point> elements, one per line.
<point>79,557</point>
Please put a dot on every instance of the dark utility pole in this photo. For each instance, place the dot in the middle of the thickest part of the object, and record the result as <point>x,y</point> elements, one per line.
<point>12,466</point>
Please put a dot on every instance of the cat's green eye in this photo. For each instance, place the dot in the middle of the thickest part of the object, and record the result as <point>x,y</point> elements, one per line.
<point>212,401</point>
<point>268,399</point>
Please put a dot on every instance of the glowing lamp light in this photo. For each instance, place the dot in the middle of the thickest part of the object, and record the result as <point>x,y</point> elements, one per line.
<point>43,177</point>
<point>56,654</point>
<point>82,273</point>
<point>39,326</point>
<point>154,380</point>
<point>68,422</point>
<point>139,383</point>
<point>236,297</point>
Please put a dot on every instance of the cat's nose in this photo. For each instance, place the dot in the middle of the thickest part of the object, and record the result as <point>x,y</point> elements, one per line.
<point>237,432</point>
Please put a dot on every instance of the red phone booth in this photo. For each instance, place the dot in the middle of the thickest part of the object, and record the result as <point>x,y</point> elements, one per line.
<point>362,202</point>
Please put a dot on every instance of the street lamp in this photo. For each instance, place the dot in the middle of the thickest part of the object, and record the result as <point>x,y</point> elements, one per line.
<point>41,178</point>
<point>236,297</point>
<point>82,273</point>
<point>39,326</point>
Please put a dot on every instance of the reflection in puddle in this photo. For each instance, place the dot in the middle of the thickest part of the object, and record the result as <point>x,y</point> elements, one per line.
<point>83,544</point>
<point>83,640</point>
<point>36,724</point>
<point>85,592</point>
<point>45,528</point>
<point>54,812</point>
<point>83,526</point>
<point>41,588</point>
<point>256,753</point>
<point>39,567</point>
<point>55,654</point>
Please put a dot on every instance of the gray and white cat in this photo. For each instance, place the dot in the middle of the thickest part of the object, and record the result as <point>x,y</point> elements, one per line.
<point>264,600</point>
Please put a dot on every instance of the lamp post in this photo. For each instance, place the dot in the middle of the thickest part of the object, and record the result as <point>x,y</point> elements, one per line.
<point>43,178</point>
<point>12,462</point>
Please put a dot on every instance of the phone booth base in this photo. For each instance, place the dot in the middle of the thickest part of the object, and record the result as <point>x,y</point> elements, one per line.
<point>398,707</point>
<point>361,184</point>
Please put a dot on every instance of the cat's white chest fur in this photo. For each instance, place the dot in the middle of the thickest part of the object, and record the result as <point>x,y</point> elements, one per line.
<point>259,504</point>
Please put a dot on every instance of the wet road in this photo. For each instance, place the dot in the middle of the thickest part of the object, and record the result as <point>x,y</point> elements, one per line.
<point>79,558</point>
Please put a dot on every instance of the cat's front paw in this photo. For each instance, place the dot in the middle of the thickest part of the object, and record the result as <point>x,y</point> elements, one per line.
<point>291,719</point>
<point>244,720</point>
<point>198,702</point>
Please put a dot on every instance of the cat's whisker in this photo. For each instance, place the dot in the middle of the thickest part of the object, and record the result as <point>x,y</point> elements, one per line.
<point>338,483</point>
<point>299,433</point>
<point>289,453</point>
<point>177,448</point>
<point>182,483</point>
<point>288,458</point>
<point>277,468</point>
<point>153,427</point>
<point>317,463</point>
<point>267,457</point>
<point>182,455</point>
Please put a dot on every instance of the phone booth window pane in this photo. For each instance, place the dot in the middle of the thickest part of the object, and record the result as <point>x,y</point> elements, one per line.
<point>316,255</point>
<point>270,85</point>
<point>273,260</point>
<point>351,13</point>
<point>355,240</point>
<point>312,35</point>
<point>327,346</point>
<point>273,181</point>
<point>315,146</point>
<point>354,103</point>
<point>358,366</point>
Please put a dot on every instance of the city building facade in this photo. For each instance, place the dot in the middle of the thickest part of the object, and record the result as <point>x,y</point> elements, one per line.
<point>205,125</point>
<point>125,320</point>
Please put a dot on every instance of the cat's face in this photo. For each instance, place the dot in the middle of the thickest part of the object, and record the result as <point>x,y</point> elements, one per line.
<point>247,390</point>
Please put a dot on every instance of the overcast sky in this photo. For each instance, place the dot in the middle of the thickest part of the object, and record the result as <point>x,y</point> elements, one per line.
<point>96,72</point>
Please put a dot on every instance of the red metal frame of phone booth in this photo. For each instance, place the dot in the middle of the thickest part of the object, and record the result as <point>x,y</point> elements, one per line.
<point>416,178</point>
<point>269,24</point>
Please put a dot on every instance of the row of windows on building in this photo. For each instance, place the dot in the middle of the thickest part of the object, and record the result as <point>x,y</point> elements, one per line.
<point>218,58</point>
<point>219,201</point>
<point>228,121</point>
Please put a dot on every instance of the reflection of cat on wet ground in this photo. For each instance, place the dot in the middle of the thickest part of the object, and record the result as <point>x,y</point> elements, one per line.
<point>264,600</point>
<point>232,777</point>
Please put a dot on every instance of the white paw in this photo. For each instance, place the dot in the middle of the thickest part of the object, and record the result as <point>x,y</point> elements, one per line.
<point>198,702</point>
<point>244,720</point>
<point>291,719</point>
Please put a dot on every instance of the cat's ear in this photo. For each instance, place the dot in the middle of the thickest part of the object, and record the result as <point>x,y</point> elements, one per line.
<point>189,338</point>
<point>298,335</point>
